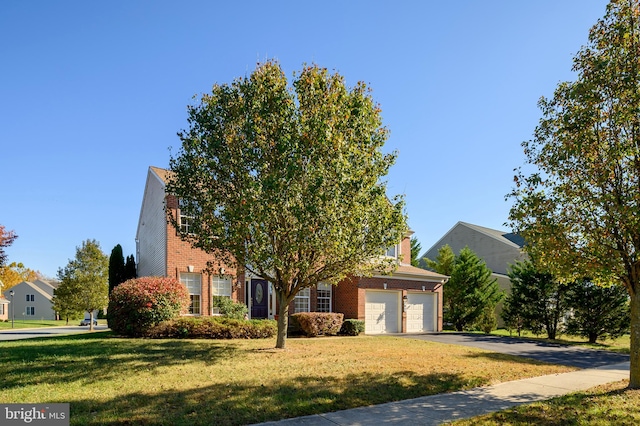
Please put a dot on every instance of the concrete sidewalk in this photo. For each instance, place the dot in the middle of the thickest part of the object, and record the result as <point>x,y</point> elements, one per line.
<point>437,409</point>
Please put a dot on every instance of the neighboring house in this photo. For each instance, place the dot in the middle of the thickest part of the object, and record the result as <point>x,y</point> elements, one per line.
<point>498,249</point>
<point>31,300</point>
<point>409,300</point>
<point>4,309</point>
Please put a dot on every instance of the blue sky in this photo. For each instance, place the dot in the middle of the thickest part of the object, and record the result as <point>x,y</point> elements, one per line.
<point>93,93</point>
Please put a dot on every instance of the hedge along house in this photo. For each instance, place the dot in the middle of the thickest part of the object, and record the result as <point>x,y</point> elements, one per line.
<point>409,300</point>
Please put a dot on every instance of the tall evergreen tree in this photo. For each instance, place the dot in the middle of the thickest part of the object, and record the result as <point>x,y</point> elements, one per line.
<point>130,271</point>
<point>537,299</point>
<point>415,251</point>
<point>470,290</point>
<point>116,267</point>
<point>598,311</point>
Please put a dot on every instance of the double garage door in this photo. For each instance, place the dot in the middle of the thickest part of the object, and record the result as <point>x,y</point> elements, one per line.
<point>383,312</point>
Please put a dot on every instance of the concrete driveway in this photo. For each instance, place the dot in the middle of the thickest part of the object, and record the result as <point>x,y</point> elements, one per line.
<point>27,333</point>
<point>574,356</point>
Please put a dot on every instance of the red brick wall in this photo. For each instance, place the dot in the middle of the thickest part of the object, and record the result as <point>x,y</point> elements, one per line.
<point>180,255</point>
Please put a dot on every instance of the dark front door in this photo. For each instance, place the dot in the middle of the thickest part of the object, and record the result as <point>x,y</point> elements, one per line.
<point>259,299</point>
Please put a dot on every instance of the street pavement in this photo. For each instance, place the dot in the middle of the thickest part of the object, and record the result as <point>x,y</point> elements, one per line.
<point>554,353</point>
<point>27,333</point>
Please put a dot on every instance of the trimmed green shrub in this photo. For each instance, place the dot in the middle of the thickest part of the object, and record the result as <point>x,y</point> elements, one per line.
<point>230,309</point>
<point>352,327</point>
<point>141,303</point>
<point>319,323</point>
<point>213,328</point>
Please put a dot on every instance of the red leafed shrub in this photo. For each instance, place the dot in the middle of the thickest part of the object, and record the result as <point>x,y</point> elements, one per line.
<point>319,323</point>
<point>141,303</point>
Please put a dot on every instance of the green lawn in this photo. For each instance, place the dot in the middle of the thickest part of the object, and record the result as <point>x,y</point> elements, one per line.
<point>115,381</point>
<point>611,404</point>
<point>21,323</point>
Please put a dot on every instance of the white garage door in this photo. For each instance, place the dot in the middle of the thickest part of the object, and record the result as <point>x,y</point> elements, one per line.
<point>382,312</point>
<point>421,312</point>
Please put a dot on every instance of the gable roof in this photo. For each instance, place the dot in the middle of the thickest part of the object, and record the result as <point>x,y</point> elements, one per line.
<point>162,174</point>
<point>31,286</point>
<point>498,249</point>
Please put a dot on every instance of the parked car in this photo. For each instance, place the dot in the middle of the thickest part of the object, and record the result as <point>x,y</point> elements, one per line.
<point>86,321</point>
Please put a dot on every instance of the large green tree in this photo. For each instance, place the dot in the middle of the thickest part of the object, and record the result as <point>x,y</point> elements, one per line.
<point>286,180</point>
<point>537,302</point>
<point>597,311</point>
<point>577,199</point>
<point>470,291</point>
<point>84,280</point>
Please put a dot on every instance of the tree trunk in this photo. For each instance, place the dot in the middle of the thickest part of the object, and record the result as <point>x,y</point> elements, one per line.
<point>593,337</point>
<point>91,321</point>
<point>634,371</point>
<point>283,321</point>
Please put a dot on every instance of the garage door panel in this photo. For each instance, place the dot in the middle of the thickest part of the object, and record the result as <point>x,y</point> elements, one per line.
<point>382,312</point>
<point>420,310</point>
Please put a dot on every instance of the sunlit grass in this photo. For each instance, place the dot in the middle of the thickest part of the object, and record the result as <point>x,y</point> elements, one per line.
<point>112,380</point>
<point>611,404</point>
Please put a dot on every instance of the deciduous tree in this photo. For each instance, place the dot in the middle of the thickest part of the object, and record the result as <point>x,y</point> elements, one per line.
<point>84,281</point>
<point>287,181</point>
<point>6,239</point>
<point>577,200</point>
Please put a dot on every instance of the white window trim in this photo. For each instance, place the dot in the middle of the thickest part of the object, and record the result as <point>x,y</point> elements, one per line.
<point>329,288</point>
<point>300,297</point>
<point>199,293</point>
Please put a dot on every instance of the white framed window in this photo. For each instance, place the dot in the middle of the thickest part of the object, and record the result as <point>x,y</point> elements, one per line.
<point>30,311</point>
<point>31,297</point>
<point>392,251</point>
<point>220,287</point>
<point>1,308</point>
<point>185,220</point>
<point>324,297</point>
<point>301,301</point>
<point>193,283</point>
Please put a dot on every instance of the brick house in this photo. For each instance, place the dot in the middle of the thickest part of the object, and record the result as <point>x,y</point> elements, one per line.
<point>409,300</point>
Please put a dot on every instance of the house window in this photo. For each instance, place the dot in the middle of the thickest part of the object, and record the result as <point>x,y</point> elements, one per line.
<point>392,252</point>
<point>324,297</point>
<point>301,301</point>
<point>220,287</point>
<point>185,221</point>
<point>31,297</point>
<point>1,308</point>
<point>193,284</point>
<point>30,311</point>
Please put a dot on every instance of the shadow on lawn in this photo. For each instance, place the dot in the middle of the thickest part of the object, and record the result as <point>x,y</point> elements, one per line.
<point>98,356</point>
<point>240,404</point>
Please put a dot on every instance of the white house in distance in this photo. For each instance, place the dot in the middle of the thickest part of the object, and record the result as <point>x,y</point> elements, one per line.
<point>498,249</point>
<point>31,301</point>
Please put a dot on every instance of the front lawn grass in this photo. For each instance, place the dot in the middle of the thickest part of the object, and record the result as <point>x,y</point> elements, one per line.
<point>116,381</point>
<point>610,404</point>
<point>22,323</point>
